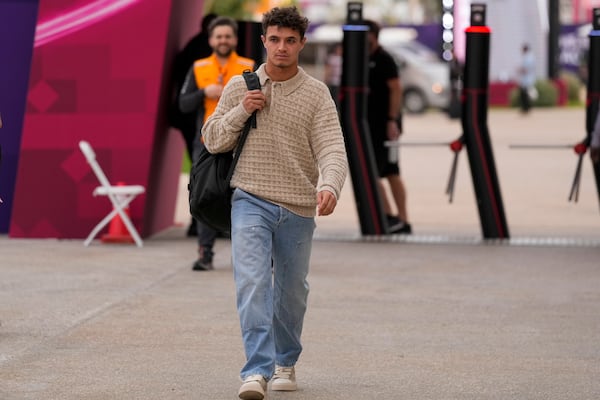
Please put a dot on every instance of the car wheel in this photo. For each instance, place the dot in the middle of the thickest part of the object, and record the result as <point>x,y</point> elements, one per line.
<point>414,101</point>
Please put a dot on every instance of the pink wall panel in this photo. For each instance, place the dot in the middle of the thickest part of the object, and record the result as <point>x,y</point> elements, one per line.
<point>100,72</point>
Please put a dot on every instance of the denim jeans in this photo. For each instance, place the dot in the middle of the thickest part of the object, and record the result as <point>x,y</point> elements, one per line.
<point>271,249</point>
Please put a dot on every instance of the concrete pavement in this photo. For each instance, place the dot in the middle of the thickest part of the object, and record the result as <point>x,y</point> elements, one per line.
<point>437,315</point>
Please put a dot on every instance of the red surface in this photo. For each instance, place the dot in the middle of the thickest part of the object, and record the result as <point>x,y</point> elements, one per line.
<point>107,84</point>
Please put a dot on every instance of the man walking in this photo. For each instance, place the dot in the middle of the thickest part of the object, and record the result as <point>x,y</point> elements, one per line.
<point>298,137</point>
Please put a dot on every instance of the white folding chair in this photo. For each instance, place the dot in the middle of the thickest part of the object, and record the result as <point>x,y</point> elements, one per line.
<point>120,196</point>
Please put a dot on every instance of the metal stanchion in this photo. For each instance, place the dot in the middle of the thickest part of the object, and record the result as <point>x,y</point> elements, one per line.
<point>353,109</point>
<point>475,131</point>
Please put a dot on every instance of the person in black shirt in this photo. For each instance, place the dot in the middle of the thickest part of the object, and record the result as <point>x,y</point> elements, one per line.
<point>385,124</point>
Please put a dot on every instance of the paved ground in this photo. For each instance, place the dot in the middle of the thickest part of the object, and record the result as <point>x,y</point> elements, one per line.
<point>438,315</point>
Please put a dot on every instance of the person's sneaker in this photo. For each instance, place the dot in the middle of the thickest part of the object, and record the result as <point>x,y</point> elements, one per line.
<point>253,388</point>
<point>204,263</point>
<point>396,225</point>
<point>284,379</point>
<point>403,229</point>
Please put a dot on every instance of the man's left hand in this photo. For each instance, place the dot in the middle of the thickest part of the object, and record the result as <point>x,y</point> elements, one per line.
<point>326,202</point>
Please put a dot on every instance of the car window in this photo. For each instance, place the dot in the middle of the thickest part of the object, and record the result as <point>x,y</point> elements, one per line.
<point>414,50</point>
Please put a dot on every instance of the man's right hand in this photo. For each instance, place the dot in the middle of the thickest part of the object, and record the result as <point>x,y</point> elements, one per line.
<point>254,100</point>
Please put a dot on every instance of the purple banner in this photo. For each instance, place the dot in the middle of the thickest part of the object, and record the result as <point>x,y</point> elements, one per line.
<point>573,45</point>
<point>17,28</point>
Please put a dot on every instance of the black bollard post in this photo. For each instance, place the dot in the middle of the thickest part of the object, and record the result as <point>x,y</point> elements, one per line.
<point>353,110</point>
<point>593,86</point>
<point>553,38</point>
<point>475,131</point>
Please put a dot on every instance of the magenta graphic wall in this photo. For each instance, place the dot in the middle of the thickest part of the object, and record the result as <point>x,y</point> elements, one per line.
<point>100,72</point>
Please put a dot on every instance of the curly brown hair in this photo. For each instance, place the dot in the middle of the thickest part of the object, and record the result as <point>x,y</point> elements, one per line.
<point>285,17</point>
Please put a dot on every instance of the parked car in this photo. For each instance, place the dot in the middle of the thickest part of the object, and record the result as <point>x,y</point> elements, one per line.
<point>425,77</point>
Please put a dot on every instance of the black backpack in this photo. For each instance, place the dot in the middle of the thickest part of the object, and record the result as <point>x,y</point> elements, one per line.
<point>210,177</point>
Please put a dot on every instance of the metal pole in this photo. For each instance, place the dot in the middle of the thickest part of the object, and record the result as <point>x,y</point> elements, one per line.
<point>593,86</point>
<point>553,33</point>
<point>474,122</point>
<point>353,109</point>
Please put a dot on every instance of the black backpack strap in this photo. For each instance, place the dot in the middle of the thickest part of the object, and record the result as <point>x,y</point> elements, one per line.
<point>252,82</point>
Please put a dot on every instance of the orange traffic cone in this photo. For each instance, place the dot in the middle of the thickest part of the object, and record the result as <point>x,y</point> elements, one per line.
<point>117,231</point>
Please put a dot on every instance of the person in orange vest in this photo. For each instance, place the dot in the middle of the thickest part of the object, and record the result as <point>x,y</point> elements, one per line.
<point>200,92</point>
<point>197,47</point>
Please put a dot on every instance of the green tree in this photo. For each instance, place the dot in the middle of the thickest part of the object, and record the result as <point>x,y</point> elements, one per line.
<point>237,9</point>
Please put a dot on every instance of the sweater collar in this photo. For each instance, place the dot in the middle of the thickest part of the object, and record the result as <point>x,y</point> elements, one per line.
<point>287,86</point>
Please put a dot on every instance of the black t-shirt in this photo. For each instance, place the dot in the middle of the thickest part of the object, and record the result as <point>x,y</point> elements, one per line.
<point>382,68</point>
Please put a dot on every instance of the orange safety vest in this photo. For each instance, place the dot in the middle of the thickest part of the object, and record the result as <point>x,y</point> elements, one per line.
<point>208,71</point>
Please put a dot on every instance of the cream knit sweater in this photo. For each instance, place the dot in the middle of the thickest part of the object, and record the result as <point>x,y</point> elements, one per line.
<point>298,135</point>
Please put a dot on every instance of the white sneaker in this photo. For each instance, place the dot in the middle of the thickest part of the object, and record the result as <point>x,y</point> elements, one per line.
<point>253,388</point>
<point>284,379</point>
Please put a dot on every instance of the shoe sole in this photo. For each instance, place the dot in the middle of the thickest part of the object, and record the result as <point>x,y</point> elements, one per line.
<point>251,395</point>
<point>254,391</point>
<point>401,229</point>
<point>395,228</point>
<point>201,267</point>
<point>284,387</point>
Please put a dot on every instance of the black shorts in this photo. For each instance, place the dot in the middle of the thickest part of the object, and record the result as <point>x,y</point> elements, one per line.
<point>384,167</point>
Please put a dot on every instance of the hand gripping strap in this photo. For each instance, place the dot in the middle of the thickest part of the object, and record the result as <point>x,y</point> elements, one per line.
<point>252,82</point>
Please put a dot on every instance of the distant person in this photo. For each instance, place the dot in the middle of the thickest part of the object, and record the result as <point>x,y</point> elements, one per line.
<point>595,140</point>
<point>333,71</point>
<point>583,66</point>
<point>456,69</point>
<point>200,94</point>
<point>456,82</point>
<point>385,124</point>
<point>197,47</point>
<point>292,167</point>
<point>526,78</point>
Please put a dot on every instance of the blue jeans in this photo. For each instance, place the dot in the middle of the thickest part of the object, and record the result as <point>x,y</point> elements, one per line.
<point>271,249</point>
